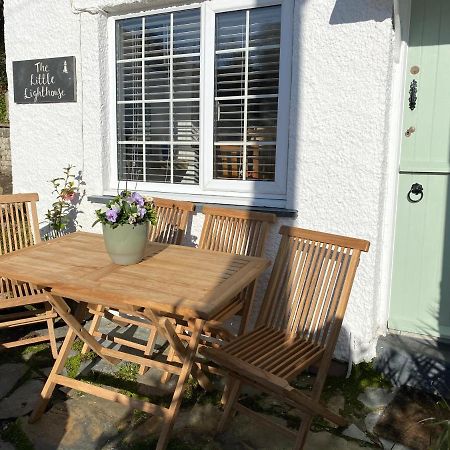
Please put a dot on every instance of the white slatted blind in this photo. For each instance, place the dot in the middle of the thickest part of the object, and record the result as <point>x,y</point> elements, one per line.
<point>158,97</point>
<point>247,58</point>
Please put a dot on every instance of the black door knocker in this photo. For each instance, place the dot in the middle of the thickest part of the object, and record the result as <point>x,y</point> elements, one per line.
<point>413,95</point>
<point>416,190</point>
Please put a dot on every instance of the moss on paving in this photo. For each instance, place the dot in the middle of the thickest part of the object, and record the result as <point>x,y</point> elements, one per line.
<point>14,434</point>
<point>73,362</point>
<point>363,376</point>
<point>128,371</point>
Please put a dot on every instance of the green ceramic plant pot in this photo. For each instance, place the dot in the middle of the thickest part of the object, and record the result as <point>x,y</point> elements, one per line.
<point>126,244</point>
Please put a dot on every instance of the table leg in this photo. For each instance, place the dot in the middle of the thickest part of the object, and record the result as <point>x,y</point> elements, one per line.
<point>73,322</point>
<point>50,385</point>
<point>188,361</point>
<point>165,328</point>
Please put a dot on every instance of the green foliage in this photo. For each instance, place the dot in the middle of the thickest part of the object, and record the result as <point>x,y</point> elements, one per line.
<point>128,371</point>
<point>3,108</point>
<point>441,426</point>
<point>362,377</point>
<point>73,363</point>
<point>14,434</point>
<point>68,196</point>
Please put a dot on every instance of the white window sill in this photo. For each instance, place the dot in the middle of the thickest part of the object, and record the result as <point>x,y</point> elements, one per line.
<point>255,205</point>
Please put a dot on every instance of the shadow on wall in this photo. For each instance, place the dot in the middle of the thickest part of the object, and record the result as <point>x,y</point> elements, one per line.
<point>352,11</point>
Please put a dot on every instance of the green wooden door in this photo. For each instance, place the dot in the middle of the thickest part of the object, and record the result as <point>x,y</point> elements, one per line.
<point>420,299</point>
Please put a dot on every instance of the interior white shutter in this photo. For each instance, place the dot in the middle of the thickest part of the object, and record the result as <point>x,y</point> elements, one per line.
<point>247,59</point>
<point>158,97</point>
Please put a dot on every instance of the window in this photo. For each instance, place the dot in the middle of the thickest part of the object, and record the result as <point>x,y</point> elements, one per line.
<point>202,100</point>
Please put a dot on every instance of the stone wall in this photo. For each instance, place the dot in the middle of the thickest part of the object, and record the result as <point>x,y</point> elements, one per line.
<point>5,161</point>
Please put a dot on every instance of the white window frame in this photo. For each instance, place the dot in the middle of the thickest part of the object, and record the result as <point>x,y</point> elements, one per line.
<point>245,192</point>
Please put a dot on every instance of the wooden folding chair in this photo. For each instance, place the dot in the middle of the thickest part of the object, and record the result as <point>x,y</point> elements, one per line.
<point>298,326</point>
<point>23,304</point>
<point>236,231</point>
<point>240,232</point>
<point>172,220</point>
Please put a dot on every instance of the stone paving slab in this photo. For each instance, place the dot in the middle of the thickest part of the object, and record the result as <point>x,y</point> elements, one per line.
<point>11,374</point>
<point>22,400</point>
<point>81,422</point>
<point>6,445</point>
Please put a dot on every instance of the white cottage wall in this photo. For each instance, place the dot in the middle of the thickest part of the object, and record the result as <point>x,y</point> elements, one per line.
<point>339,134</point>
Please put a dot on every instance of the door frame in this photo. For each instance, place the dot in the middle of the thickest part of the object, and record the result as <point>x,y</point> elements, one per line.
<point>402,16</point>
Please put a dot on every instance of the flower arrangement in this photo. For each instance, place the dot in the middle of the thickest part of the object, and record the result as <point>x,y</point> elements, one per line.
<point>127,208</point>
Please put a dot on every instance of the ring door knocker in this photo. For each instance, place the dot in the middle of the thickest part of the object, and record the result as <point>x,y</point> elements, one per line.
<point>417,191</point>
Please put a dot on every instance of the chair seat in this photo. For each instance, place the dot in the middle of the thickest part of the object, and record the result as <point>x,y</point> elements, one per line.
<point>271,351</point>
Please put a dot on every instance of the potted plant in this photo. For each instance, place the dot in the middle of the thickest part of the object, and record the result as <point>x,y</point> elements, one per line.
<point>125,226</point>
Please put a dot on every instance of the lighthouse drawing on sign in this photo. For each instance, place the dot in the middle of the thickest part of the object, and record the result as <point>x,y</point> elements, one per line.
<point>65,67</point>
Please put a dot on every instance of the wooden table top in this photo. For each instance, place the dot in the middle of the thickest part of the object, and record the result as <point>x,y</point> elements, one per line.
<point>172,278</point>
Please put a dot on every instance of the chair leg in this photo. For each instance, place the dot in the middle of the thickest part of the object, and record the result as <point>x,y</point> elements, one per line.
<point>166,376</point>
<point>303,432</point>
<point>233,395</point>
<point>94,325</point>
<point>316,392</point>
<point>149,349</point>
<point>51,331</point>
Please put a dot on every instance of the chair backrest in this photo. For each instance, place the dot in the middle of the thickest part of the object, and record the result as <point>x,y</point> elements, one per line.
<point>18,222</point>
<point>310,284</point>
<point>172,220</point>
<point>235,231</point>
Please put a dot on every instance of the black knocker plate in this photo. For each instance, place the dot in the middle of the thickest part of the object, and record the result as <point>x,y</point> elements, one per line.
<point>417,191</point>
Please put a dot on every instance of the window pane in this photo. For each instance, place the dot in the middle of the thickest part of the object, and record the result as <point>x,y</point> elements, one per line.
<point>228,161</point>
<point>186,121</point>
<point>129,122</point>
<point>186,77</point>
<point>230,30</point>
<point>262,119</point>
<point>247,60</point>
<point>129,38</point>
<point>261,162</point>
<point>229,123</point>
<point>129,81</point>
<point>263,68</point>
<point>230,74</point>
<point>186,32</point>
<point>130,162</point>
<point>185,167</point>
<point>157,35</point>
<point>158,163</point>
<point>157,79</point>
<point>264,26</point>
<point>157,121</point>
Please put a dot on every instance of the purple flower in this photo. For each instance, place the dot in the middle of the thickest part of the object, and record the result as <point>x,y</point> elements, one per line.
<point>142,212</point>
<point>137,198</point>
<point>111,215</point>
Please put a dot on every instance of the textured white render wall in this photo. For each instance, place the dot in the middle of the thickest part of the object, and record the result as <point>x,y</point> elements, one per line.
<point>342,68</point>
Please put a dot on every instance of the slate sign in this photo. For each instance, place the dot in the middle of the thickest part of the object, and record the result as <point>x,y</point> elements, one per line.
<point>50,80</point>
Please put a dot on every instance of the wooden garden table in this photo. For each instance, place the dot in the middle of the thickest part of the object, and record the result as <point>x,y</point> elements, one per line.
<point>185,281</point>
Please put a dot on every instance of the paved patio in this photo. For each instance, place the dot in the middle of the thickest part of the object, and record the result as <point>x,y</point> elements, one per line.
<point>78,421</point>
